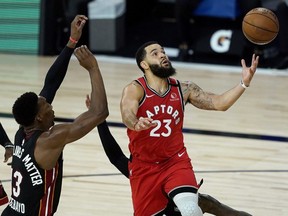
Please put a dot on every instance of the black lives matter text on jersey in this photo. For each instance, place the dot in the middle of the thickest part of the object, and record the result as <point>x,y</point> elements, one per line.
<point>31,168</point>
<point>34,173</point>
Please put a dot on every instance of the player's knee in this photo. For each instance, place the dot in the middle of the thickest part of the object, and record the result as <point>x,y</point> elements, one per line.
<point>187,203</point>
<point>190,209</point>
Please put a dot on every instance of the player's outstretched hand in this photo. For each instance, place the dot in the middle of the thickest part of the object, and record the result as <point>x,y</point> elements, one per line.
<point>86,58</point>
<point>144,124</point>
<point>248,72</point>
<point>77,25</point>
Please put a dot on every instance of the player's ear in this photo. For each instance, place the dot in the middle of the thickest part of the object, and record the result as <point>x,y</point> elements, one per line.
<point>38,118</point>
<point>144,65</point>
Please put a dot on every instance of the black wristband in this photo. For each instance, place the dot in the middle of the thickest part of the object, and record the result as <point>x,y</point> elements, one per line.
<point>8,145</point>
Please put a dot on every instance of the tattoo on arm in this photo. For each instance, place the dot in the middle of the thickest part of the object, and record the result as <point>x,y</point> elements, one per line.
<point>195,95</point>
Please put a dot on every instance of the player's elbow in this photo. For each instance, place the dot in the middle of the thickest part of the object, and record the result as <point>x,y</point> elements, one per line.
<point>100,113</point>
<point>103,115</point>
<point>223,105</point>
<point>222,108</point>
<point>225,108</point>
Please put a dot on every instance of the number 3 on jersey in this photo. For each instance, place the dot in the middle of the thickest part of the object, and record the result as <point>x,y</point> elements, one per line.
<point>16,189</point>
<point>155,131</point>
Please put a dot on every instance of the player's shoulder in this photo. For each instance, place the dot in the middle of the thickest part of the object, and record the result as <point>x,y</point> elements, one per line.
<point>186,84</point>
<point>134,88</point>
<point>134,83</point>
<point>173,80</point>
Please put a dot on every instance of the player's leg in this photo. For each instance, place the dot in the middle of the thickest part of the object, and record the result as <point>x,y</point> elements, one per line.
<point>211,205</point>
<point>146,187</point>
<point>187,204</point>
<point>181,185</point>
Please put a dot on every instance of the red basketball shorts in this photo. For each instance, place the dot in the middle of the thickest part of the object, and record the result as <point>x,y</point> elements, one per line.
<point>152,182</point>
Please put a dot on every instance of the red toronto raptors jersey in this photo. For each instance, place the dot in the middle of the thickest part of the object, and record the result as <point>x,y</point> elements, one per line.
<point>159,143</point>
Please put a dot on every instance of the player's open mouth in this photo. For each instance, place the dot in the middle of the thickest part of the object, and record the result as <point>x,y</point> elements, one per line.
<point>165,62</point>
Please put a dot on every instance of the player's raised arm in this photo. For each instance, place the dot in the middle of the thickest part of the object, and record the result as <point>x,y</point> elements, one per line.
<point>57,71</point>
<point>221,102</point>
<point>51,143</point>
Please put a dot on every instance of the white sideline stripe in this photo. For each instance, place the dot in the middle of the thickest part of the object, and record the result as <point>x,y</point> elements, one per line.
<point>191,65</point>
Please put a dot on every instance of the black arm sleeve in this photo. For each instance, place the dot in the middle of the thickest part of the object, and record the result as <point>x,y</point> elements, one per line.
<point>53,80</point>
<point>112,149</point>
<point>56,74</point>
<point>4,139</point>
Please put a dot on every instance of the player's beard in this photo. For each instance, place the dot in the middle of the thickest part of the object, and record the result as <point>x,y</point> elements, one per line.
<point>162,72</point>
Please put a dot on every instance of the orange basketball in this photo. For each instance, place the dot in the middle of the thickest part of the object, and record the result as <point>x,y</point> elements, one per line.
<point>260,26</point>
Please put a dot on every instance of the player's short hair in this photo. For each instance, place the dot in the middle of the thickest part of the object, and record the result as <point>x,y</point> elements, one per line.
<point>25,108</point>
<point>141,53</point>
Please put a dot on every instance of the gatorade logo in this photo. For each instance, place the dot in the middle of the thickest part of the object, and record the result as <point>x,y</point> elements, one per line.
<point>221,40</point>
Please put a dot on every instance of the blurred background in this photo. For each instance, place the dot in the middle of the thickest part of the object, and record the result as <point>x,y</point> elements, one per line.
<point>205,31</point>
<point>241,154</point>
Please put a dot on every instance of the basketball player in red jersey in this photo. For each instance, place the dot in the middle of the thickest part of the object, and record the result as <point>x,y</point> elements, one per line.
<point>152,108</point>
<point>207,203</point>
